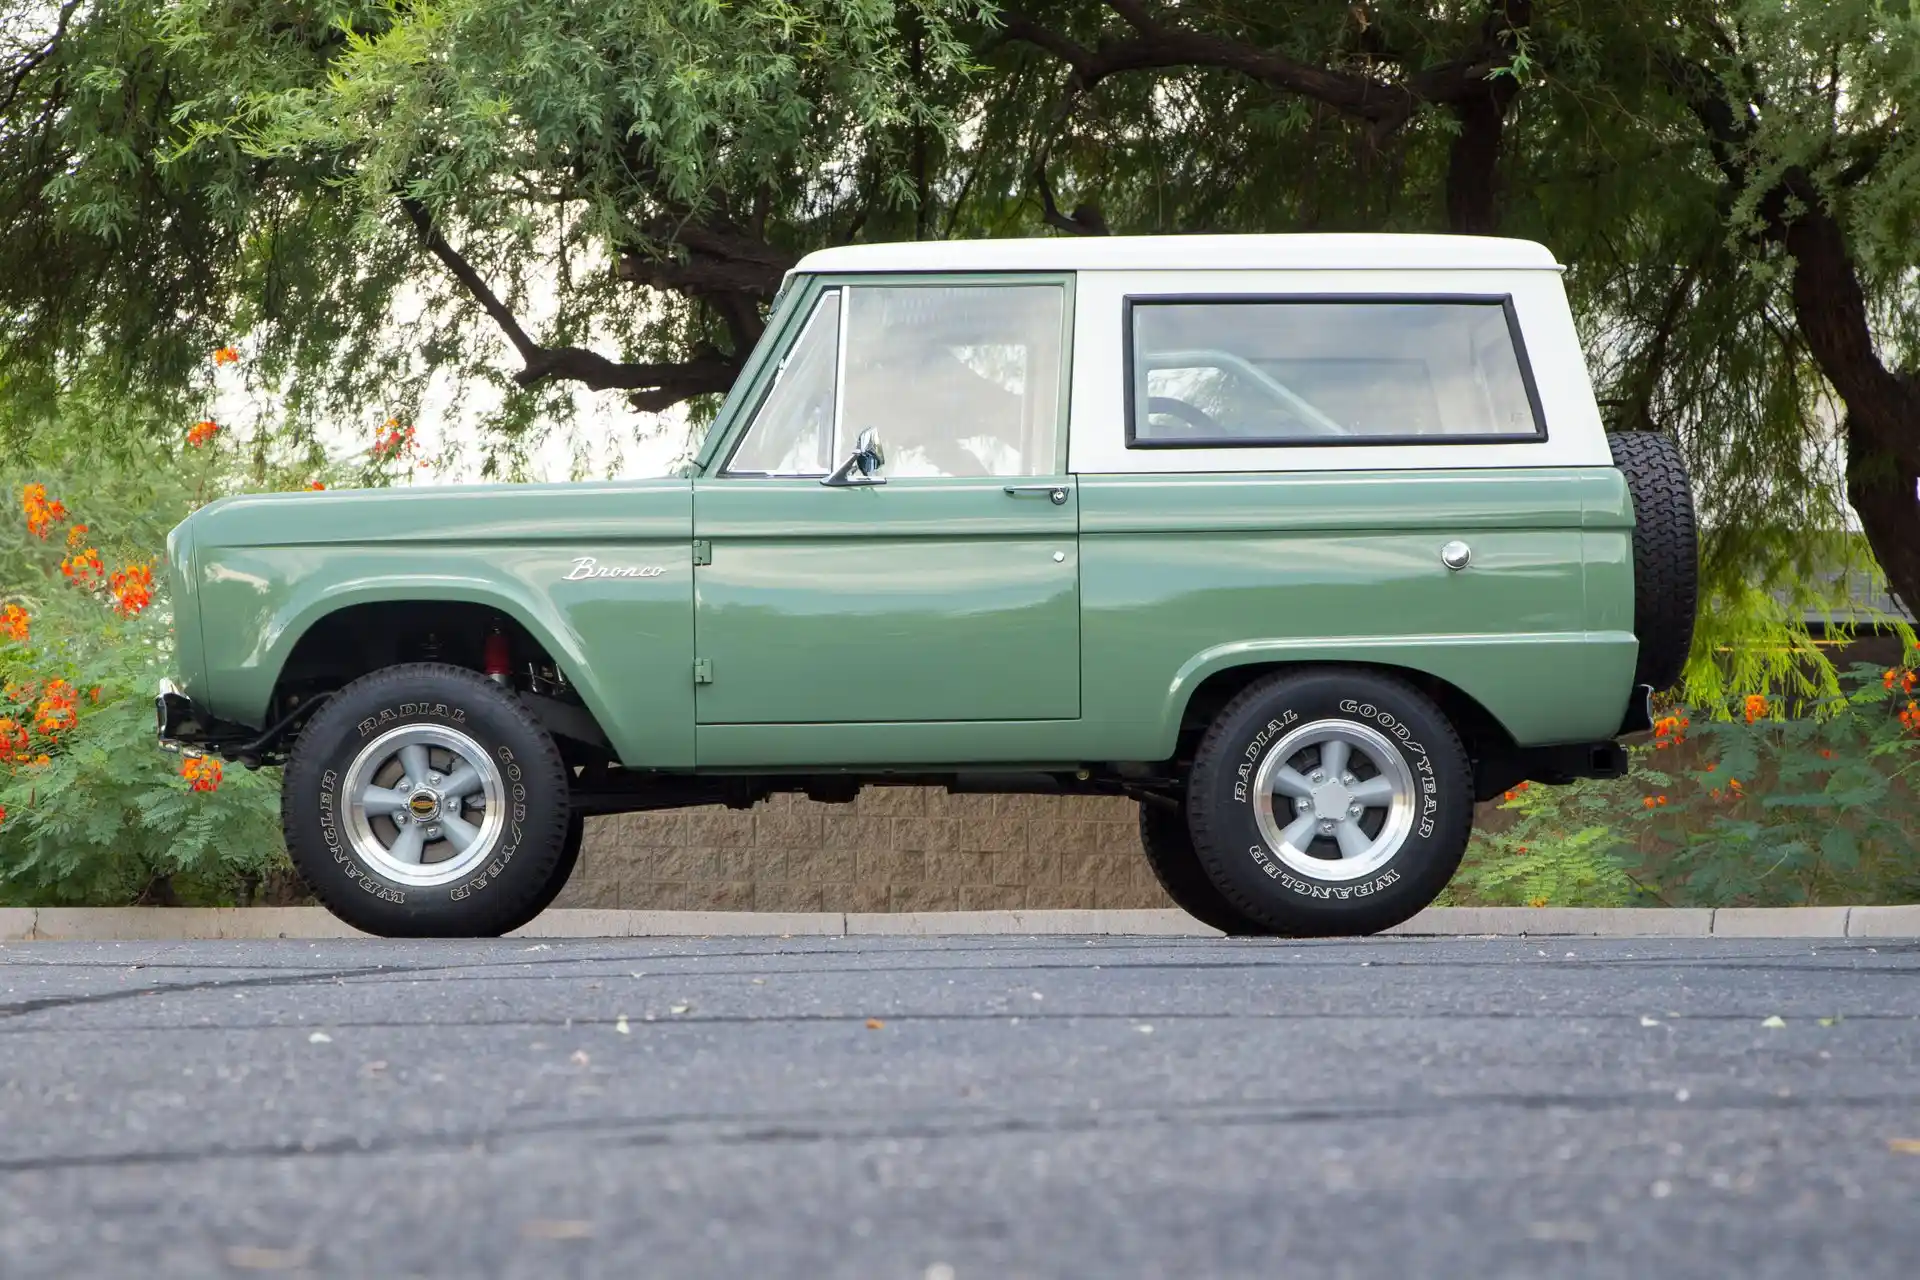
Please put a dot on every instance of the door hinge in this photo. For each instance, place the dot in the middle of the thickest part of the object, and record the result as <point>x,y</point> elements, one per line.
<point>703,670</point>
<point>702,551</point>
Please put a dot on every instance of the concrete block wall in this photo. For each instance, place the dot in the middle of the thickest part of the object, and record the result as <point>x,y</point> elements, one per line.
<point>893,849</point>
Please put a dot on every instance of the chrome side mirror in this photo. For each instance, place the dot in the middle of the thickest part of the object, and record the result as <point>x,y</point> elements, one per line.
<point>859,468</point>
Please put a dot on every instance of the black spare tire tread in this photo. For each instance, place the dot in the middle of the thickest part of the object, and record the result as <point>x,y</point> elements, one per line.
<point>1169,845</point>
<point>1666,553</point>
<point>483,906</point>
<point>1224,830</point>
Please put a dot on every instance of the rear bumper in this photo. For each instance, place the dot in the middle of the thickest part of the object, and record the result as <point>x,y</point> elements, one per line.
<point>1639,717</point>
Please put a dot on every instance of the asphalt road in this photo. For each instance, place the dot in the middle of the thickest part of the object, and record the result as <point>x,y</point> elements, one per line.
<point>963,1108</point>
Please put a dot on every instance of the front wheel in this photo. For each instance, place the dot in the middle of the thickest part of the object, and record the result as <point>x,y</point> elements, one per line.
<point>425,801</point>
<point>1330,802</point>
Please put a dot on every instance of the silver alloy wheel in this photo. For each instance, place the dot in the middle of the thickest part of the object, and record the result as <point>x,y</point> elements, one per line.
<point>1334,799</point>
<point>425,805</point>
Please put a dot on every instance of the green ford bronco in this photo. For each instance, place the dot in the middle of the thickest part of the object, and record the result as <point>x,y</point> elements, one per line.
<point>1306,543</point>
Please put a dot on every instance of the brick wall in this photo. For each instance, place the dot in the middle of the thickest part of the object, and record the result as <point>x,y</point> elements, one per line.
<point>893,849</point>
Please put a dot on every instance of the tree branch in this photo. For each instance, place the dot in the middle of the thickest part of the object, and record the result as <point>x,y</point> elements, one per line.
<point>33,61</point>
<point>462,270</point>
<point>655,386</point>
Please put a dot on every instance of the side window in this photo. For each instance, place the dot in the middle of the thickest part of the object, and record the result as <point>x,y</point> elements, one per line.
<point>1310,371</point>
<point>958,380</point>
<point>792,433</point>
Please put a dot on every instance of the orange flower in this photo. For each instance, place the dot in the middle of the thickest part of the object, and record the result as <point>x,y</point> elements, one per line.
<point>226,355</point>
<point>1536,902</point>
<point>132,589</point>
<point>13,741</point>
<point>1519,848</point>
<point>1826,753</point>
<point>316,486</point>
<point>3,813</point>
<point>1889,677</point>
<point>1756,707</point>
<point>1908,679</point>
<point>1665,725</point>
<point>56,713</point>
<point>1709,768</point>
<point>1662,799</point>
<point>13,623</point>
<point>202,431</point>
<point>1647,802</point>
<point>76,535</point>
<point>39,511</point>
<point>1733,784</point>
<point>84,566</point>
<point>201,772</point>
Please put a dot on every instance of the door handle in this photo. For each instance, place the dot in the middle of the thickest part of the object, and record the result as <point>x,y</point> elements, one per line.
<point>1054,493</point>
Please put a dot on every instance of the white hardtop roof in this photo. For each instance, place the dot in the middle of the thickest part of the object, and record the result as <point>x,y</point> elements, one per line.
<point>1190,253</point>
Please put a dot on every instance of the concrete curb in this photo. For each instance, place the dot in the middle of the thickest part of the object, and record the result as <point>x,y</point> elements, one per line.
<point>171,924</point>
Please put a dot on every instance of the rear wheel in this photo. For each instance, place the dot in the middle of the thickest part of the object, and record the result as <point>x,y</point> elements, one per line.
<point>425,801</point>
<point>1329,802</point>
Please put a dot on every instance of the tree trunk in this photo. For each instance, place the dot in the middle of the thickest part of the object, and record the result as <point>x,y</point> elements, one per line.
<point>1882,493</point>
<point>1473,162</point>
<point>1883,407</point>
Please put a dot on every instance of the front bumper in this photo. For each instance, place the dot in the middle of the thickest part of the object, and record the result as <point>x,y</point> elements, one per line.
<point>179,725</point>
<point>172,714</point>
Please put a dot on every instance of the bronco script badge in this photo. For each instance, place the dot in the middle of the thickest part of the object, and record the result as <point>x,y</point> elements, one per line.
<point>588,567</point>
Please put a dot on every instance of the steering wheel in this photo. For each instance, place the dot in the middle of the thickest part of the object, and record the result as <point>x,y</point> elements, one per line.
<point>1196,420</point>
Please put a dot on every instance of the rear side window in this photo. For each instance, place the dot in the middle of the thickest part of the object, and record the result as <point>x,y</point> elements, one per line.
<point>1212,372</point>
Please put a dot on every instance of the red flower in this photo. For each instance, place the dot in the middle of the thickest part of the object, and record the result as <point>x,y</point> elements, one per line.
<point>201,772</point>
<point>226,355</point>
<point>202,431</point>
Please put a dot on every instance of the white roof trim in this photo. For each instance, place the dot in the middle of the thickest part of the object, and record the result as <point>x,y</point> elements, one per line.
<point>1190,253</point>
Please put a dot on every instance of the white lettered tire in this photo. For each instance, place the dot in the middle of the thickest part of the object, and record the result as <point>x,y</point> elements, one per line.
<point>425,801</point>
<point>1330,801</point>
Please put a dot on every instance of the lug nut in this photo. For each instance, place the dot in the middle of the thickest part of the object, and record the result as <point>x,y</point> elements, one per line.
<point>399,819</point>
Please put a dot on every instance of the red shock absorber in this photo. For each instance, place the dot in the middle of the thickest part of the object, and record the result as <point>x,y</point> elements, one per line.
<point>497,658</point>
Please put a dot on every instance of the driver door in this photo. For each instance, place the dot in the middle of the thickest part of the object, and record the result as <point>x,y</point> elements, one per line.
<point>943,587</point>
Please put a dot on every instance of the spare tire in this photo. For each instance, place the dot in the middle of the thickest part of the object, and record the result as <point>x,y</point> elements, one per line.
<point>1666,553</point>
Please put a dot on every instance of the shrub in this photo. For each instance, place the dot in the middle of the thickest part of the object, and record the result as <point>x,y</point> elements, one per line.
<point>1758,809</point>
<point>90,810</point>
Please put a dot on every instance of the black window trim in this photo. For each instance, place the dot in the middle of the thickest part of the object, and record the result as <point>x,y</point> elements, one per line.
<point>1129,301</point>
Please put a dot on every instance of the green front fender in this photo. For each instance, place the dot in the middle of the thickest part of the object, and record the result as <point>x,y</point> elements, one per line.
<point>266,599</point>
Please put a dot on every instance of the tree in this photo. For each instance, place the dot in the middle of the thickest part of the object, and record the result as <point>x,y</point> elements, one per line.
<point>619,188</point>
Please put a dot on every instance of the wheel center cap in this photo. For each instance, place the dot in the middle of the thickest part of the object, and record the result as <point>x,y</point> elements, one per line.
<point>424,805</point>
<point>1331,800</point>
